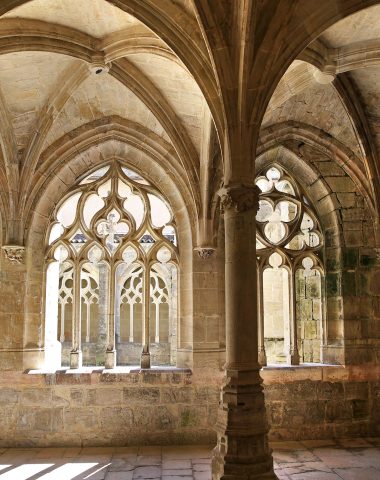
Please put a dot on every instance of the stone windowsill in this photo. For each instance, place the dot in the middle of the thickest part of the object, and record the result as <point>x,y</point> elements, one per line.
<point>271,374</point>
<point>103,370</point>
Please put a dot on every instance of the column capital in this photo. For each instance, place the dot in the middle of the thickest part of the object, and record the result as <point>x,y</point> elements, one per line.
<point>14,253</point>
<point>205,252</point>
<point>240,197</point>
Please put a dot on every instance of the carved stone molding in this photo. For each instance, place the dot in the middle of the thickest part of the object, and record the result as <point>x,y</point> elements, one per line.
<point>240,198</point>
<point>205,252</point>
<point>14,253</point>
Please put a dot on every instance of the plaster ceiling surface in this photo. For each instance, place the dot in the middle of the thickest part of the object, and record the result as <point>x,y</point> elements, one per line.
<point>101,96</point>
<point>26,81</point>
<point>94,17</point>
<point>360,27</point>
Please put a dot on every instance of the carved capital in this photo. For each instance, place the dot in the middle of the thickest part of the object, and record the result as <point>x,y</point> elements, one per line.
<point>241,198</point>
<point>14,253</point>
<point>205,252</point>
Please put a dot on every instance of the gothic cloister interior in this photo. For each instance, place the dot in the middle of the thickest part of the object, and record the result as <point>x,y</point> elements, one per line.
<point>190,239</point>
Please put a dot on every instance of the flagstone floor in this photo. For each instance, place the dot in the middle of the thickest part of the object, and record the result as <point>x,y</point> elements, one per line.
<point>350,459</point>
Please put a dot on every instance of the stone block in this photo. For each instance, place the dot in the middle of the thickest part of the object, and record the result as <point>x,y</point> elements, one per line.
<point>116,418</point>
<point>367,258</point>
<point>141,395</point>
<point>341,184</point>
<point>104,396</point>
<point>163,418</point>
<point>360,408</point>
<point>8,396</point>
<point>353,238</point>
<point>329,390</point>
<point>207,394</point>
<point>338,411</point>
<point>275,413</point>
<point>177,395</point>
<point>80,419</point>
<point>356,390</point>
<point>347,200</point>
<point>36,396</point>
<point>333,284</point>
<point>349,283</point>
<point>375,282</point>
<point>192,416</point>
<point>353,214</point>
<point>350,257</point>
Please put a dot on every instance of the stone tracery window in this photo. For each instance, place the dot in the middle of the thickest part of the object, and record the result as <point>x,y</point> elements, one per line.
<point>111,278</point>
<point>289,245</point>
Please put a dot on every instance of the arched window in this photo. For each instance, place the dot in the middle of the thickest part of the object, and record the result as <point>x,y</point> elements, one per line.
<point>289,245</point>
<point>111,279</point>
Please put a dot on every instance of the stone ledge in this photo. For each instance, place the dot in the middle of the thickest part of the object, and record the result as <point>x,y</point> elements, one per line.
<point>184,376</point>
<point>320,373</point>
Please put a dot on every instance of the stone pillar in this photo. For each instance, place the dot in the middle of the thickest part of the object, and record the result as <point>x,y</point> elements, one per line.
<point>293,357</point>
<point>111,350</point>
<point>242,451</point>
<point>101,340</point>
<point>76,350</point>
<point>260,313</point>
<point>145,354</point>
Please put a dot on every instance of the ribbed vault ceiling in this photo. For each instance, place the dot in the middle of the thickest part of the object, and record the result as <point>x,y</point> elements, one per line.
<point>52,94</point>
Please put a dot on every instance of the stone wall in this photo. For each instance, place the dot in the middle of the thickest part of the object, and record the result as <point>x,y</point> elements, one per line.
<point>106,408</point>
<point>179,407</point>
<point>317,403</point>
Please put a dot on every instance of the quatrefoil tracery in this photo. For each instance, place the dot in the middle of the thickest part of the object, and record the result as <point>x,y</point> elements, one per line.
<point>111,208</point>
<point>285,219</point>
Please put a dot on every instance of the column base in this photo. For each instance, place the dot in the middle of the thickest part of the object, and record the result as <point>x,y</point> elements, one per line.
<point>240,472</point>
<point>76,359</point>
<point>110,359</point>
<point>293,358</point>
<point>242,452</point>
<point>145,360</point>
<point>263,357</point>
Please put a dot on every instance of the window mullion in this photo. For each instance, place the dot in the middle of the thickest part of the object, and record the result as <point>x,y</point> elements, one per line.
<point>293,355</point>
<point>145,355</point>
<point>76,351</point>
<point>111,350</point>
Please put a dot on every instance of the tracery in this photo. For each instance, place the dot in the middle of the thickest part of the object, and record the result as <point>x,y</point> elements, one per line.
<point>112,260</point>
<point>289,244</point>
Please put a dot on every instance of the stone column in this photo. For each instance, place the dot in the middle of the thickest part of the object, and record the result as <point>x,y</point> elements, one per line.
<point>293,357</point>
<point>145,354</point>
<point>101,340</point>
<point>242,450</point>
<point>260,313</point>
<point>76,351</point>
<point>111,350</point>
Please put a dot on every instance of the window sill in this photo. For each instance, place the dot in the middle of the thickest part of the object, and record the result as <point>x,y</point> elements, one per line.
<point>103,370</point>
<point>285,366</point>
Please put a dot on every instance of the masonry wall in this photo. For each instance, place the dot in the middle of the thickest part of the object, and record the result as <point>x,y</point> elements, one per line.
<point>179,407</point>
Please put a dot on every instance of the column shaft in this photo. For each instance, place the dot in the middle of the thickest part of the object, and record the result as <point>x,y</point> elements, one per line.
<point>242,451</point>
<point>111,350</point>
<point>145,354</point>
<point>76,351</point>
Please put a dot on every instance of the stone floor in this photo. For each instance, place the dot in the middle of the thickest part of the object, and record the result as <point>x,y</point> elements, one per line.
<point>355,459</point>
